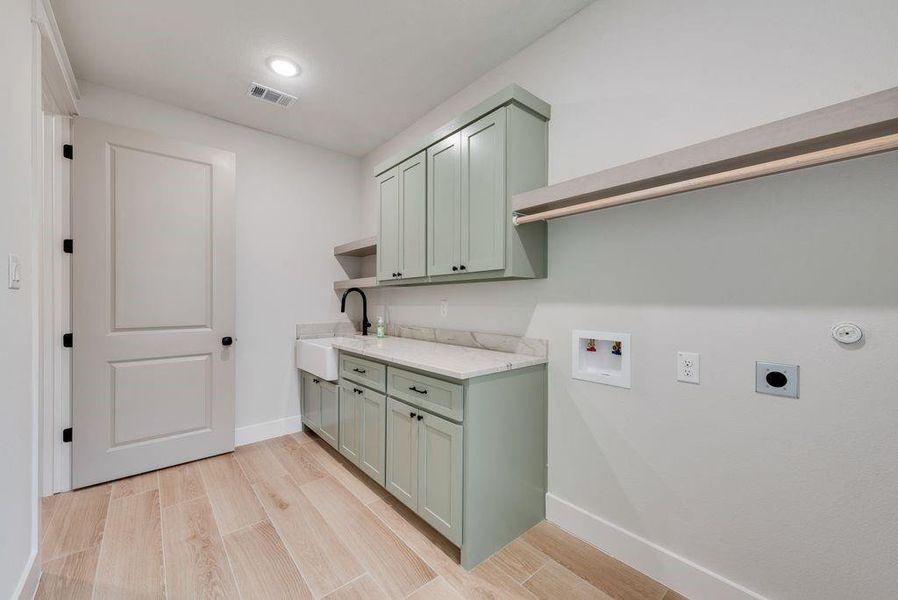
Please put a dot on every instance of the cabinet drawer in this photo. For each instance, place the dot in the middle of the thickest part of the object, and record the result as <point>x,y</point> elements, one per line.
<point>363,371</point>
<point>436,395</point>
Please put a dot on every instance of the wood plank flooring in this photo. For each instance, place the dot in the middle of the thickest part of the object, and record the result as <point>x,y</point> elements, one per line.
<point>290,518</point>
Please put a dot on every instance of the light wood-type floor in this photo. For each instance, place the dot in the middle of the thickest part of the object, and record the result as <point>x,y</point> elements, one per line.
<point>289,518</point>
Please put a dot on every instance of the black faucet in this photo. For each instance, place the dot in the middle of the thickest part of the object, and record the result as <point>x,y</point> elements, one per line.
<point>365,323</point>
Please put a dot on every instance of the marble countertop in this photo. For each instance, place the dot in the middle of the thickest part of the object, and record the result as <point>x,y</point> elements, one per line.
<point>458,362</point>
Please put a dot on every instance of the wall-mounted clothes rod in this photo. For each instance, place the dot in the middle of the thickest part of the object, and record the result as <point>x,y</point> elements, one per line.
<point>783,165</point>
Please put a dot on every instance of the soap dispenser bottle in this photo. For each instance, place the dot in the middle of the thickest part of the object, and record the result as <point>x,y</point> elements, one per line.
<point>381,328</point>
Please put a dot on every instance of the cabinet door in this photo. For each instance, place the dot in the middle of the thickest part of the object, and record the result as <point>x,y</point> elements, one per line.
<point>443,205</point>
<point>373,436</point>
<point>388,225</point>
<point>311,401</point>
<point>440,475</point>
<point>350,423</point>
<point>330,413</point>
<point>484,212</point>
<point>402,452</point>
<point>413,217</point>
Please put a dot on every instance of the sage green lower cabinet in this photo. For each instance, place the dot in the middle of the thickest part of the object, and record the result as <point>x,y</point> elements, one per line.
<point>310,395</point>
<point>350,422</point>
<point>330,413</point>
<point>402,452</point>
<point>440,475</point>
<point>468,456</point>
<point>373,435</point>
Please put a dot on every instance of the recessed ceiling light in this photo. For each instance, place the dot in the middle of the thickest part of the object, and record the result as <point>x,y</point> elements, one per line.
<point>283,66</point>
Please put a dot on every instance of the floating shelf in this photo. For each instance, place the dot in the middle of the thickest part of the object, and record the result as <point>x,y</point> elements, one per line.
<point>360,282</point>
<point>859,127</point>
<point>363,247</point>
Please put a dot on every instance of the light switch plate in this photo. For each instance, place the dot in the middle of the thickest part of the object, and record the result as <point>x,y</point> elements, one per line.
<point>15,272</point>
<point>689,367</point>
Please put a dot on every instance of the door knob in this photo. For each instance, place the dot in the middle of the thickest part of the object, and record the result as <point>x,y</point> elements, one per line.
<point>227,341</point>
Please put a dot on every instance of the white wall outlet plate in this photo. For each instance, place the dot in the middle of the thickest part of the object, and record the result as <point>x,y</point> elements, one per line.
<point>601,357</point>
<point>689,367</point>
<point>776,379</point>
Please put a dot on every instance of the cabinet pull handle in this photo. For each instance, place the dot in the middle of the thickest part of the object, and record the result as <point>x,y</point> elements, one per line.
<point>414,389</point>
<point>357,370</point>
<point>394,274</point>
<point>463,267</point>
<point>316,381</point>
<point>398,274</point>
<point>420,417</point>
<point>358,391</point>
<point>454,268</point>
<point>411,415</point>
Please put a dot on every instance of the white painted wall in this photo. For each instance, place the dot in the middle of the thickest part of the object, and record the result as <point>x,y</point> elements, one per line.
<point>295,202</point>
<point>17,470</point>
<point>789,498</point>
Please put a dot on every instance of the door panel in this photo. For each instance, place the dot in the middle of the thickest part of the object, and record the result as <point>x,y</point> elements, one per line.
<point>330,413</point>
<point>388,225</point>
<point>160,397</point>
<point>140,216</point>
<point>443,205</point>
<point>413,210</point>
<point>440,475</point>
<point>311,401</point>
<point>152,298</point>
<point>402,452</point>
<point>350,423</point>
<point>483,203</point>
<point>373,445</point>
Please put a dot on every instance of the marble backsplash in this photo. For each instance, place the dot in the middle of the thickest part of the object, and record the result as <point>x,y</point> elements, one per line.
<point>499,342</point>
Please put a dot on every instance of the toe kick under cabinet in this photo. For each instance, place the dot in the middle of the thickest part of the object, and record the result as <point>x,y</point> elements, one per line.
<point>467,456</point>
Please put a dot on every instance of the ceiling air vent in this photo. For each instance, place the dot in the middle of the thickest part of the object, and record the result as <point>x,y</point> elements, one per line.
<point>267,94</point>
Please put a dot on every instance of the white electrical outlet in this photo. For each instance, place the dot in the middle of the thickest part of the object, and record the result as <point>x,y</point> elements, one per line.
<point>689,367</point>
<point>444,307</point>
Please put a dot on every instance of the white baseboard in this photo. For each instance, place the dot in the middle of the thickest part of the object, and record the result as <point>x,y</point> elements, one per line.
<point>678,573</point>
<point>31,577</point>
<point>264,431</point>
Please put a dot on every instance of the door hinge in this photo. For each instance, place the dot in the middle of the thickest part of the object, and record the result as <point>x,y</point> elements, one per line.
<point>68,246</point>
<point>67,435</point>
<point>68,151</point>
<point>67,340</point>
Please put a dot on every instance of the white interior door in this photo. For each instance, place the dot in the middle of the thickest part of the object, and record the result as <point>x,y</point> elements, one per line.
<point>152,302</point>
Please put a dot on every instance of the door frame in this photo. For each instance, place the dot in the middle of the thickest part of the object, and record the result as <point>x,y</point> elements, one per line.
<point>55,102</point>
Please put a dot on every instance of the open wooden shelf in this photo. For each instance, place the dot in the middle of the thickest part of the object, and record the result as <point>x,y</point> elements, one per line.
<point>363,247</point>
<point>849,129</point>
<point>360,282</point>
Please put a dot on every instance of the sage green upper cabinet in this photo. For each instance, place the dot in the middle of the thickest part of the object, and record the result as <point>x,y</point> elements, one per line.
<point>483,198</point>
<point>402,245</point>
<point>444,206</point>
<point>474,165</point>
<point>388,225</point>
<point>413,217</point>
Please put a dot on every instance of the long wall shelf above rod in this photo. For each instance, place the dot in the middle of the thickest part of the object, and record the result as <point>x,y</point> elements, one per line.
<point>859,127</point>
<point>363,247</point>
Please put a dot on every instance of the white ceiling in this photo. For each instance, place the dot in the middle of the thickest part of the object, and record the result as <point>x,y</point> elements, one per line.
<point>369,67</point>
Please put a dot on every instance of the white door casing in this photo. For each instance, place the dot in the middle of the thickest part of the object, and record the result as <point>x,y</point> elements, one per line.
<point>153,297</point>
